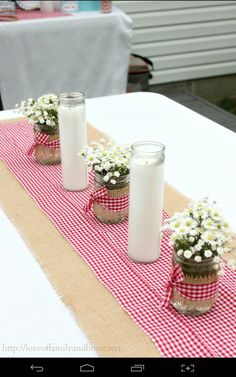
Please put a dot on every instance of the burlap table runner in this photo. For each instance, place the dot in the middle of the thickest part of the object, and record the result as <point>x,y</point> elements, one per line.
<point>109,328</point>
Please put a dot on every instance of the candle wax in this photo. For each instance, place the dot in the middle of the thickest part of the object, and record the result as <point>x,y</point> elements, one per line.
<point>73,137</point>
<point>145,208</point>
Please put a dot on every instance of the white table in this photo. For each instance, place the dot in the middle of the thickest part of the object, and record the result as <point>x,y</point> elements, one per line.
<point>87,52</point>
<point>199,162</point>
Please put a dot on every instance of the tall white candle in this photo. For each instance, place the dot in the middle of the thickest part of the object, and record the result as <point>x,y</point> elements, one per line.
<point>57,5</point>
<point>145,201</point>
<point>47,6</point>
<point>73,137</point>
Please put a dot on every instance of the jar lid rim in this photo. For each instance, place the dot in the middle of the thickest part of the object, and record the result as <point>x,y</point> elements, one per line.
<point>142,147</point>
<point>72,96</point>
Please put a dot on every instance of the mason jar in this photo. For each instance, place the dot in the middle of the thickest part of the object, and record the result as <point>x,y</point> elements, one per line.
<point>46,155</point>
<point>121,188</point>
<point>195,273</point>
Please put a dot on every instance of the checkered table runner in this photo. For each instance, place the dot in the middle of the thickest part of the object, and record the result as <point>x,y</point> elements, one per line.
<point>42,139</point>
<point>101,197</point>
<point>138,288</point>
<point>36,14</point>
<point>190,291</point>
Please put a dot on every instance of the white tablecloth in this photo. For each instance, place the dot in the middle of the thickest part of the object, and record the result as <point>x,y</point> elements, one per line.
<point>86,52</point>
<point>200,157</point>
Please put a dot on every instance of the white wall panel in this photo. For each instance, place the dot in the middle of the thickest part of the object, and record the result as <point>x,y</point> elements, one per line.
<point>184,39</point>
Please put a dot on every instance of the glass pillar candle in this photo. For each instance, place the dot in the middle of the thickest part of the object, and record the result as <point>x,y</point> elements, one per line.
<point>47,6</point>
<point>145,201</point>
<point>57,5</point>
<point>73,137</point>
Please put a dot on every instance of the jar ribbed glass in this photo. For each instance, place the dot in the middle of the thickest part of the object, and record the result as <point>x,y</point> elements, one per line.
<point>204,272</point>
<point>121,188</point>
<point>45,155</point>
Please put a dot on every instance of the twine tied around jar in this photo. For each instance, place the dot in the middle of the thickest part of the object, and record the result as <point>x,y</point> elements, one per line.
<point>101,197</point>
<point>42,139</point>
<point>196,292</point>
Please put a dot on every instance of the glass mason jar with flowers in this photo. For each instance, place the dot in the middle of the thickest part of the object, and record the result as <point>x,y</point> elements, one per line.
<point>43,113</point>
<point>199,236</point>
<point>110,163</point>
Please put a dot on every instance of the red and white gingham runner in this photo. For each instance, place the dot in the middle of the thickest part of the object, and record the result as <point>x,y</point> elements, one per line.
<point>137,287</point>
<point>190,291</point>
<point>101,197</point>
<point>42,139</point>
<point>36,14</point>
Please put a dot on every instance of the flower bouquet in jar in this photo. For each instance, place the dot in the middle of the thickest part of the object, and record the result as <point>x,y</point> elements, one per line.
<point>199,236</point>
<point>110,163</point>
<point>43,114</point>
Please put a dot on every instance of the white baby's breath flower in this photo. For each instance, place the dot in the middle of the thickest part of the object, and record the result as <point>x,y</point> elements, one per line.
<point>189,222</point>
<point>225,226</point>
<point>107,166</point>
<point>97,168</point>
<point>198,258</point>
<point>109,159</point>
<point>203,214</point>
<point>35,110</point>
<point>187,254</point>
<point>179,252</point>
<point>208,253</point>
<point>198,247</point>
<point>208,224</point>
<point>91,158</point>
<point>193,232</point>
<point>199,229</point>
<point>125,161</point>
<point>106,178</point>
<point>201,242</point>
<point>216,215</point>
<point>176,224</point>
<point>117,163</point>
<point>182,230</point>
<point>208,236</point>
